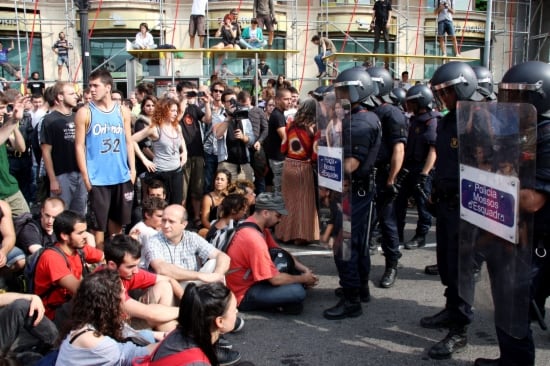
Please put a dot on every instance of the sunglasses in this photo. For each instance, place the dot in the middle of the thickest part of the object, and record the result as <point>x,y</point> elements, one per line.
<point>217,91</point>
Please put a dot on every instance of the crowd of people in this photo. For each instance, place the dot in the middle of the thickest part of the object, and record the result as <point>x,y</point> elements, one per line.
<point>156,218</point>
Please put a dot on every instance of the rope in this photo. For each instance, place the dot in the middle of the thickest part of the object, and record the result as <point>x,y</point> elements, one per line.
<point>90,32</point>
<point>464,26</point>
<point>417,33</point>
<point>30,46</point>
<point>305,46</point>
<point>511,38</point>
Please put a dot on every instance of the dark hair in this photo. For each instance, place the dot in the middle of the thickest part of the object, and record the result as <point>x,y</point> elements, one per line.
<point>253,21</point>
<point>232,204</point>
<point>145,100</point>
<point>306,114</point>
<point>152,204</point>
<point>97,302</point>
<point>227,174</point>
<point>216,83</point>
<point>58,88</point>
<point>280,92</point>
<point>199,308</point>
<point>185,84</point>
<point>315,38</point>
<point>64,222</point>
<point>155,184</point>
<point>113,91</point>
<point>227,92</point>
<point>118,246</point>
<point>103,75</point>
<point>144,25</point>
<point>49,95</point>
<point>146,88</point>
<point>243,96</point>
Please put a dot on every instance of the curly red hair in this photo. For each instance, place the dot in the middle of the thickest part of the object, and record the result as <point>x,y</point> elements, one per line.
<point>162,112</point>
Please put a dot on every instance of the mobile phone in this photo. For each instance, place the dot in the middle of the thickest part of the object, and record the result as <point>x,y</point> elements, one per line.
<point>9,108</point>
<point>201,94</point>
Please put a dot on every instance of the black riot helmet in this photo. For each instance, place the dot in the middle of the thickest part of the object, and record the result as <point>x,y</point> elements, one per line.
<point>460,77</point>
<point>419,97</point>
<point>397,95</point>
<point>384,80</point>
<point>484,82</point>
<point>528,82</point>
<point>357,83</point>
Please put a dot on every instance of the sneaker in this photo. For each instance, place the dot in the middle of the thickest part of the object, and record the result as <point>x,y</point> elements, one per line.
<point>223,343</point>
<point>239,324</point>
<point>227,357</point>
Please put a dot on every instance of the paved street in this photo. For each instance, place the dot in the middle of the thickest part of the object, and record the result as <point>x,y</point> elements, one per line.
<point>388,333</point>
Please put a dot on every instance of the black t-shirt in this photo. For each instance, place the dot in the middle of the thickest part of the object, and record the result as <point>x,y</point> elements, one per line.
<point>32,233</point>
<point>381,11</point>
<point>141,123</point>
<point>35,87</point>
<point>190,126</point>
<point>58,130</point>
<point>272,144</point>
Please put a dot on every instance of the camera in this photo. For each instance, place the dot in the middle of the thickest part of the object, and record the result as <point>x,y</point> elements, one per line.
<point>201,94</point>
<point>9,108</point>
<point>239,111</point>
<point>191,94</point>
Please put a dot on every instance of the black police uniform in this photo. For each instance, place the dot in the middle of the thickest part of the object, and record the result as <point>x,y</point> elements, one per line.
<point>365,134</point>
<point>446,197</point>
<point>394,131</point>
<point>422,135</point>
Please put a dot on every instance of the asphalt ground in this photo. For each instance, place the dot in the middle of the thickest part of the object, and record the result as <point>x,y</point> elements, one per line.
<point>388,332</point>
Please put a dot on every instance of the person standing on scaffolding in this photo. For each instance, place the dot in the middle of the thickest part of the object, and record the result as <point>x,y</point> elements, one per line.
<point>444,12</point>
<point>61,47</point>
<point>382,14</point>
<point>5,64</point>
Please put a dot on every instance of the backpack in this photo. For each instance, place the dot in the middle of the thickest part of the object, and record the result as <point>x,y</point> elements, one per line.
<point>185,357</point>
<point>229,234</point>
<point>29,271</point>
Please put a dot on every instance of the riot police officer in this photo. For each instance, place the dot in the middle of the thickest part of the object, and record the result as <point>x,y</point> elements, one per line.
<point>361,143</point>
<point>527,82</point>
<point>451,82</point>
<point>420,157</point>
<point>485,82</point>
<point>398,97</point>
<point>388,164</point>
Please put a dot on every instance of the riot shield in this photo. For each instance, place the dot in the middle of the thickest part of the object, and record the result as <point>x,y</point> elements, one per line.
<point>497,146</point>
<point>334,186</point>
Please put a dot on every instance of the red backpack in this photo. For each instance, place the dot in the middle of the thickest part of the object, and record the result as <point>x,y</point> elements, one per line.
<point>185,357</point>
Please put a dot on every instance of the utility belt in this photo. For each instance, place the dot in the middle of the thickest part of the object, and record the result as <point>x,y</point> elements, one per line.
<point>364,185</point>
<point>542,243</point>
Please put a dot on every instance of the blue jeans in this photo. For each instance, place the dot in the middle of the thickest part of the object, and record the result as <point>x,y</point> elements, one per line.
<point>210,167</point>
<point>14,318</point>
<point>320,63</point>
<point>265,296</point>
<point>252,44</point>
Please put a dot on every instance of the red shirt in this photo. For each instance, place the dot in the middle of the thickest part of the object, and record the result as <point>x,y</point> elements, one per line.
<point>250,259</point>
<point>52,267</point>
<point>142,280</point>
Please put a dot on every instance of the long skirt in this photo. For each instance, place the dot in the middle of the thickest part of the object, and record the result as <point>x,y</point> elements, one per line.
<point>302,221</point>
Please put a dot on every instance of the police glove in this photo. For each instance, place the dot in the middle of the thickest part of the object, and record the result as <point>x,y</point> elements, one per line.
<point>421,185</point>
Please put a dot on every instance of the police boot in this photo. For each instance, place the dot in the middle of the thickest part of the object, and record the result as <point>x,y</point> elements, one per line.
<point>390,274</point>
<point>455,341</point>
<point>349,306</point>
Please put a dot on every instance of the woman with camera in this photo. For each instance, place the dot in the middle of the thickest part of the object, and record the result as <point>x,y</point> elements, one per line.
<point>170,151</point>
<point>228,34</point>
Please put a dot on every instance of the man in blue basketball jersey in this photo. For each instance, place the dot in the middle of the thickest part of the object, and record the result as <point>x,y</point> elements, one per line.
<point>105,157</point>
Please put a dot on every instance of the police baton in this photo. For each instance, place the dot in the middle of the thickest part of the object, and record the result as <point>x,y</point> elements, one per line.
<point>372,188</point>
<point>392,194</point>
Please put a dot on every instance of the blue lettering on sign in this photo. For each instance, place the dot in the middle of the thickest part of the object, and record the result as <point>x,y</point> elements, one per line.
<point>330,168</point>
<point>488,202</point>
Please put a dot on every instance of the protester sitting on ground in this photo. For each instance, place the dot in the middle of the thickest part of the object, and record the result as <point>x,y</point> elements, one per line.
<point>170,152</point>
<point>20,314</point>
<point>12,259</point>
<point>97,319</point>
<point>155,294</point>
<point>227,33</point>
<point>206,311</point>
<point>156,188</point>
<point>252,276</point>
<point>181,254</point>
<point>212,200</point>
<point>151,222</point>
<point>232,209</point>
<point>247,189</point>
<point>58,272</point>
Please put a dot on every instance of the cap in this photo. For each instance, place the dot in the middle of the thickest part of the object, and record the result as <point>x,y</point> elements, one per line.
<point>271,201</point>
